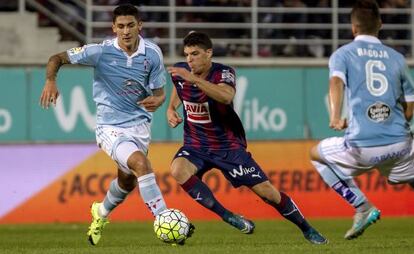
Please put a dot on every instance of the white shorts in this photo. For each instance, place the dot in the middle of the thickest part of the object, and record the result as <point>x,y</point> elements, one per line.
<point>109,138</point>
<point>396,161</point>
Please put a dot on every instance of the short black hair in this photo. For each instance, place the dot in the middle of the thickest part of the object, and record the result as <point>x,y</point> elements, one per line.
<point>366,15</point>
<point>199,39</point>
<point>126,10</point>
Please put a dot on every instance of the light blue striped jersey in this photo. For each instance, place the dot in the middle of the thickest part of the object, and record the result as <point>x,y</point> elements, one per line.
<point>120,80</point>
<point>376,80</point>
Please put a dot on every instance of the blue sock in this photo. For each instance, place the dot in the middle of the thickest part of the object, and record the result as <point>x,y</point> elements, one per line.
<point>288,209</point>
<point>200,192</point>
<point>151,194</point>
<point>345,186</point>
<point>114,196</point>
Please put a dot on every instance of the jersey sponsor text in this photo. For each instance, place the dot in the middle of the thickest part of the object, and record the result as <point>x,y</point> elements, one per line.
<point>197,112</point>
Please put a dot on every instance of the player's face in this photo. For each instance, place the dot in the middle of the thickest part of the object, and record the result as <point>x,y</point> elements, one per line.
<point>198,59</point>
<point>127,29</point>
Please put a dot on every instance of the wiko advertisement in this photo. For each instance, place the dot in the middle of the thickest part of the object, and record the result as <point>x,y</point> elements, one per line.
<point>273,103</point>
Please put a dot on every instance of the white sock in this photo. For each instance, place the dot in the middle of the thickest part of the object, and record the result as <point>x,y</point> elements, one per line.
<point>151,194</point>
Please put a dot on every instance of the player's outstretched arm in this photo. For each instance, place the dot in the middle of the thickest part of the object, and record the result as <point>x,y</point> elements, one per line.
<point>153,102</point>
<point>50,91</point>
<point>336,92</point>
<point>173,117</point>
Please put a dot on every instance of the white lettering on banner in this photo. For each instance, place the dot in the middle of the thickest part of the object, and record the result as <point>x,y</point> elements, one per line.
<point>78,106</point>
<point>255,117</point>
<point>7,123</point>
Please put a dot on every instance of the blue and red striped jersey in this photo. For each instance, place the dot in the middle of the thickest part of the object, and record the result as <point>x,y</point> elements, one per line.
<point>209,124</point>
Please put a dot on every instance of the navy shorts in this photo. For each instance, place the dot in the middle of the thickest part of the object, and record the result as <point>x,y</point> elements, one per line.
<point>237,166</point>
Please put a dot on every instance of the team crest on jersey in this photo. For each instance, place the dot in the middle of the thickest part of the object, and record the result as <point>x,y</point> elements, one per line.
<point>197,112</point>
<point>379,112</point>
<point>227,76</point>
<point>74,51</point>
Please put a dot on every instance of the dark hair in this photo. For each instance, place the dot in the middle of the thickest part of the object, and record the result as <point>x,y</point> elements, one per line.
<point>126,10</point>
<point>198,39</point>
<point>366,15</point>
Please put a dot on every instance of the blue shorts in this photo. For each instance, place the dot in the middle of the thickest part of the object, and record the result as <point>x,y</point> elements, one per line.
<point>237,166</point>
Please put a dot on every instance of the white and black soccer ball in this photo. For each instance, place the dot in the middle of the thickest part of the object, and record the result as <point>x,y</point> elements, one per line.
<point>171,226</point>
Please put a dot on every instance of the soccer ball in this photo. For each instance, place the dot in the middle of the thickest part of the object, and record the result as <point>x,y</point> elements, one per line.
<point>171,226</point>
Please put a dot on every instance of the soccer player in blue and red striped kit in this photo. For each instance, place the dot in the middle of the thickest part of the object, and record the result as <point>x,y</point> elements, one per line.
<point>214,138</point>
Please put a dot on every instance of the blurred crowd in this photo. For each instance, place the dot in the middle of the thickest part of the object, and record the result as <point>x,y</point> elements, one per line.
<point>290,40</point>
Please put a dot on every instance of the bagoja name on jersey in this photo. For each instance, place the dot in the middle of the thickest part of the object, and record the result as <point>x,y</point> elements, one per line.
<point>197,112</point>
<point>372,53</point>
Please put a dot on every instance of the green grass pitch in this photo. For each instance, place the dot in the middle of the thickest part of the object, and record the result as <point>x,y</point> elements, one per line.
<point>389,235</point>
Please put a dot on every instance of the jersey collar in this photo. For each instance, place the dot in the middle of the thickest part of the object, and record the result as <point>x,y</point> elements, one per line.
<point>367,38</point>
<point>140,49</point>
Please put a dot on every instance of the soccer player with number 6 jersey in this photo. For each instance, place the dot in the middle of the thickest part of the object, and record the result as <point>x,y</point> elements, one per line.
<point>380,97</point>
<point>214,138</point>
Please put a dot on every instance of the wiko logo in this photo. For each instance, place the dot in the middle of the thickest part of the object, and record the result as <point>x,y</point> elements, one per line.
<point>242,171</point>
<point>255,116</point>
<point>78,106</point>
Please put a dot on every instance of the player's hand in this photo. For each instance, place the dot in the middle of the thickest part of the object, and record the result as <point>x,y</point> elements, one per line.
<point>338,124</point>
<point>151,103</point>
<point>182,72</point>
<point>173,118</point>
<point>49,94</point>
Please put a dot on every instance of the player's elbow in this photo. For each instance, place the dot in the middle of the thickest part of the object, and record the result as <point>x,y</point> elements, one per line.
<point>227,97</point>
<point>408,116</point>
<point>227,101</point>
<point>408,110</point>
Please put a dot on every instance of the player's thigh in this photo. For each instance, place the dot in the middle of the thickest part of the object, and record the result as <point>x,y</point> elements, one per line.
<point>186,163</point>
<point>341,158</point>
<point>240,169</point>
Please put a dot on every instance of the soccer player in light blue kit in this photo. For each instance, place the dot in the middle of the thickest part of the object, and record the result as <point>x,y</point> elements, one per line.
<point>129,76</point>
<point>380,95</point>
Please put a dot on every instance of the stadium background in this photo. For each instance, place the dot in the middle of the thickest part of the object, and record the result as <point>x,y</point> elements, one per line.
<point>51,168</point>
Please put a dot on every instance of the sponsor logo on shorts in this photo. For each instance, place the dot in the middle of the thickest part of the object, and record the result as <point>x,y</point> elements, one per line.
<point>378,112</point>
<point>390,156</point>
<point>241,171</point>
<point>183,153</point>
<point>197,112</point>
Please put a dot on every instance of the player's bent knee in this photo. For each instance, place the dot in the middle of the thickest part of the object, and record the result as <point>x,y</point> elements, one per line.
<point>267,192</point>
<point>139,164</point>
<point>180,174</point>
<point>314,154</point>
<point>182,170</point>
